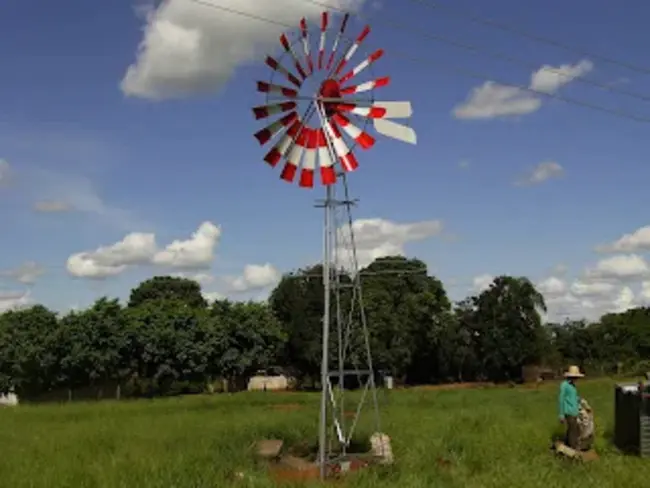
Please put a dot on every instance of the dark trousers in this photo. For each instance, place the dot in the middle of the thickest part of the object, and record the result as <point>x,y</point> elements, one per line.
<point>572,432</point>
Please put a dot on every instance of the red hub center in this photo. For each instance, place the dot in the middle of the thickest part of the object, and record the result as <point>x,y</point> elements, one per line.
<point>330,89</point>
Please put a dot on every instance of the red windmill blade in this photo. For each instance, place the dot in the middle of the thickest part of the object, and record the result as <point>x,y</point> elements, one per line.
<point>316,151</point>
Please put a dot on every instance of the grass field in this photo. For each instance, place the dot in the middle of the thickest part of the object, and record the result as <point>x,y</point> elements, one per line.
<point>497,437</point>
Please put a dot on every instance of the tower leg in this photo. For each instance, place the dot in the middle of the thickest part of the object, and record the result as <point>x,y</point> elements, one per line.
<point>327,264</point>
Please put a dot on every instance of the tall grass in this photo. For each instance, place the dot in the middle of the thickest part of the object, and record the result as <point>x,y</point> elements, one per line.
<point>496,437</point>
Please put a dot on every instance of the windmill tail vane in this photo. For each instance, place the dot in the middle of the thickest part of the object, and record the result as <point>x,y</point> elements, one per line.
<point>341,118</point>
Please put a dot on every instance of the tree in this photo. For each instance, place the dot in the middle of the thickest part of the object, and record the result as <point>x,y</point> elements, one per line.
<point>90,344</point>
<point>297,301</point>
<point>248,337</point>
<point>168,340</point>
<point>508,327</point>
<point>28,361</point>
<point>403,306</point>
<point>159,288</point>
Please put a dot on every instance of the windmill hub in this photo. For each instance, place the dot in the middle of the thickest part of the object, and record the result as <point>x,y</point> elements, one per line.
<point>330,88</point>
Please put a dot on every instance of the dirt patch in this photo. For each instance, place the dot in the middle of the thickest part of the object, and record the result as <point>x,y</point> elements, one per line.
<point>287,407</point>
<point>286,475</point>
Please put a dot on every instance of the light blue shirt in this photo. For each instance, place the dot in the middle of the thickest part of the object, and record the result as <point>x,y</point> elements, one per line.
<point>569,402</point>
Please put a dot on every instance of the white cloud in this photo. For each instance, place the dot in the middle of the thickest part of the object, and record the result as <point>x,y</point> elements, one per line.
<point>544,171</point>
<point>623,301</point>
<point>189,48</point>
<point>375,238</point>
<point>583,299</point>
<point>463,164</point>
<point>644,293</point>
<point>481,283</point>
<point>254,277</point>
<point>14,300</point>
<point>196,252</point>
<point>583,288</point>
<point>592,295</point>
<point>492,100</point>
<point>549,79</point>
<point>27,273</point>
<point>140,248</point>
<point>200,278</point>
<point>552,287</point>
<point>52,206</point>
<point>621,267</point>
<point>637,241</point>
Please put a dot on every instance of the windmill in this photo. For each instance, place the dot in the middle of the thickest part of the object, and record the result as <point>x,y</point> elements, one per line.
<point>324,111</point>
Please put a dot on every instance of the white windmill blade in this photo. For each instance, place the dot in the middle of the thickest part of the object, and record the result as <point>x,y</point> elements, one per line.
<point>396,110</point>
<point>394,130</point>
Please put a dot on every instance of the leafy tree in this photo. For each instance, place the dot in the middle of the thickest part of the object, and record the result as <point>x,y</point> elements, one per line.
<point>164,288</point>
<point>403,306</point>
<point>298,302</point>
<point>508,326</point>
<point>168,341</point>
<point>90,344</point>
<point>248,337</point>
<point>28,362</point>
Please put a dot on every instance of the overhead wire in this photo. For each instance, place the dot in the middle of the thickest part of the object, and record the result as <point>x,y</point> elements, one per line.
<point>472,17</point>
<point>493,54</point>
<point>453,69</point>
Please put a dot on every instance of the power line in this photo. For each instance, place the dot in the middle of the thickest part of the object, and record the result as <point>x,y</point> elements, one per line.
<point>453,69</point>
<point>534,37</point>
<point>494,54</point>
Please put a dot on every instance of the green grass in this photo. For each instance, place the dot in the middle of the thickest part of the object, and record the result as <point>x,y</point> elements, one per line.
<point>491,438</point>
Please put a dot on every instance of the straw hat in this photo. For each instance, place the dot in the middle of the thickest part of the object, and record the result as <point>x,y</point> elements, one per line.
<point>573,372</point>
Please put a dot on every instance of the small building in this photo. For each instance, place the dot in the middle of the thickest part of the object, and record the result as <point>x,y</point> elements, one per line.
<point>270,380</point>
<point>8,400</point>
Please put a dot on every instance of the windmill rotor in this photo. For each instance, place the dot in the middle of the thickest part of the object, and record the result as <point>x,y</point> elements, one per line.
<point>328,144</point>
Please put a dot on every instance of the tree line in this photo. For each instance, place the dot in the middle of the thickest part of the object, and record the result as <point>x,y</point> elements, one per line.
<point>168,339</point>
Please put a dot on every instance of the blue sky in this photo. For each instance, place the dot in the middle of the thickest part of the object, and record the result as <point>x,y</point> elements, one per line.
<point>123,162</point>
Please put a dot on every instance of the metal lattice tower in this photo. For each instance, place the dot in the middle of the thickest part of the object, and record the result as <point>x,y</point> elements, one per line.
<point>342,113</point>
<point>344,315</point>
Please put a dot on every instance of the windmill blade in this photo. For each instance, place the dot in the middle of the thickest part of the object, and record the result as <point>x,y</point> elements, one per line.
<point>294,156</point>
<point>305,46</point>
<point>365,140</point>
<point>394,130</point>
<point>371,112</point>
<point>276,66</point>
<point>362,65</point>
<point>266,134</point>
<point>279,151</point>
<point>284,40</point>
<point>309,159</point>
<point>323,34</point>
<point>380,110</point>
<point>327,171</point>
<point>353,49</point>
<point>276,89</point>
<point>367,86</point>
<point>396,110</point>
<point>264,111</point>
<point>337,40</point>
<point>346,156</point>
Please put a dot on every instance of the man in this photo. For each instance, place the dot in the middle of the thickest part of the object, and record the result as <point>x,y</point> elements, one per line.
<point>569,406</point>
